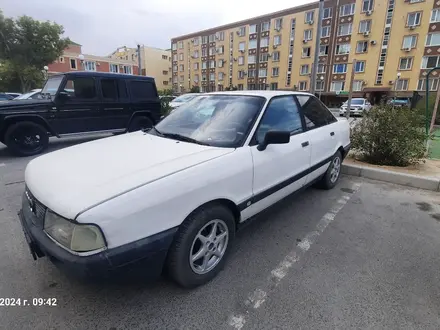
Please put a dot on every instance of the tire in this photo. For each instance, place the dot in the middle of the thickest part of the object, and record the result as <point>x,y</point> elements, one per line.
<point>139,123</point>
<point>26,138</point>
<point>330,178</point>
<point>186,244</point>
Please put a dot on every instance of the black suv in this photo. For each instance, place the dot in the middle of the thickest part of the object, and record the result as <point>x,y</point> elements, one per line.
<point>77,103</point>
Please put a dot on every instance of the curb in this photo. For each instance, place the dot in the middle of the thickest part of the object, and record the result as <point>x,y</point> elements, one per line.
<point>409,180</point>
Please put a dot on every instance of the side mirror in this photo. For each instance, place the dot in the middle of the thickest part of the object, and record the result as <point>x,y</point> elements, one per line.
<point>274,137</point>
<point>63,97</point>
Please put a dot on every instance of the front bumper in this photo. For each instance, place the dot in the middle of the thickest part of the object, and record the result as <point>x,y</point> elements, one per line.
<point>146,255</point>
<point>352,112</point>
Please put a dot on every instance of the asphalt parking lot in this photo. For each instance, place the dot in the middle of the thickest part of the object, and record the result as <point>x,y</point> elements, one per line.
<point>362,256</point>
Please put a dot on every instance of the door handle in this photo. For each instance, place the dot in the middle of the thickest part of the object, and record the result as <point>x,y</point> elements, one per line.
<point>332,134</point>
<point>305,144</point>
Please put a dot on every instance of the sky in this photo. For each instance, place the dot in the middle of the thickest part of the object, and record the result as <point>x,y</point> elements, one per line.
<point>101,26</point>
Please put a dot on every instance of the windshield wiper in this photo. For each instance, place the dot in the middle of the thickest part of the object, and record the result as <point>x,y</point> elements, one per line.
<point>183,138</point>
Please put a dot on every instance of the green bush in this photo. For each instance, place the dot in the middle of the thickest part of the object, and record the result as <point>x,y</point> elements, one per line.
<point>390,136</point>
<point>421,105</point>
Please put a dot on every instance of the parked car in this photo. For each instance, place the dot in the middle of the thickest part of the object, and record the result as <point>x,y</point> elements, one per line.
<point>182,99</point>
<point>400,101</point>
<point>14,95</point>
<point>358,107</point>
<point>5,97</point>
<point>173,197</point>
<point>33,94</point>
<point>79,103</point>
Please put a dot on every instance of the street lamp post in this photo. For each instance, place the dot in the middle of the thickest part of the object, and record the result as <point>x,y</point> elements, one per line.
<point>321,78</point>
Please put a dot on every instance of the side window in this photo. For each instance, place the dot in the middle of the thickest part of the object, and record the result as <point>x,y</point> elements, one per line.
<point>36,96</point>
<point>81,88</point>
<point>142,90</point>
<point>282,115</point>
<point>315,113</point>
<point>109,89</point>
<point>122,89</point>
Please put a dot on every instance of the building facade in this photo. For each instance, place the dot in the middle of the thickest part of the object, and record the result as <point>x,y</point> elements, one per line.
<point>155,62</point>
<point>394,43</point>
<point>74,60</point>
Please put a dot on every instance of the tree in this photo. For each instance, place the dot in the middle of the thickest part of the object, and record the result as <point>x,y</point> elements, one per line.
<point>195,89</point>
<point>26,46</point>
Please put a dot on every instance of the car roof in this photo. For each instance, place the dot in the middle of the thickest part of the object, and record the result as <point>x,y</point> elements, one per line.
<point>104,75</point>
<point>262,93</point>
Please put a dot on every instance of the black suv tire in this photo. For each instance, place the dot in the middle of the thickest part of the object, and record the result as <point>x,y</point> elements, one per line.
<point>140,122</point>
<point>26,138</point>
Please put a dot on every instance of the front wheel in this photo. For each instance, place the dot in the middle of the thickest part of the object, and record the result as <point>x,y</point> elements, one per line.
<point>201,246</point>
<point>26,138</point>
<point>331,177</point>
<point>140,123</point>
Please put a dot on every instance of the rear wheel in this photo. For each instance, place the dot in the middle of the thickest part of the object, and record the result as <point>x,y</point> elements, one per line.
<point>26,138</point>
<point>331,177</point>
<point>140,123</point>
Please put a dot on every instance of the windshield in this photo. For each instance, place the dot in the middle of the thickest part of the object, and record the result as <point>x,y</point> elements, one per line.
<point>52,85</point>
<point>184,98</point>
<point>217,120</point>
<point>357,101</point>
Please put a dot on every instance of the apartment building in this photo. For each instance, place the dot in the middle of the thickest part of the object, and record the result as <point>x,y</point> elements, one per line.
<point>155,62</point>
<point>74,60</point>
<point>394,43</point>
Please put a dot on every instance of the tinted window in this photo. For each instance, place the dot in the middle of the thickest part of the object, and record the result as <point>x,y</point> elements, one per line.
<point>142,90</point>
<point>315,113</point>
<point>122,89</point>
<point>81,88</point>
<point>282,115</point>
<point>109,89</point>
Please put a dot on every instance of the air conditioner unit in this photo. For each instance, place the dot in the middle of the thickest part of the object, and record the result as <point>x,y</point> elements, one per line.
<point>192,40</point>
<point>241,50</point>
<point>278,29</point>
<point>238,32</point>
<point>412,27</point>
<point>217,37</point>
<point>274,46</point>
<point>390,82</point>
<point>235,59</point>
<point>365,83</point>
<point>304,41</point>
<point>373,42</point>
<point>269,55</point>
<point>366,33</point>
<point>369,12</point>
<point>408,49</point>
<point>310,22</point>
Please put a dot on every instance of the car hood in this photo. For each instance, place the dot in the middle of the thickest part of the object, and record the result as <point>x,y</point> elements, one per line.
<point>74,179</point>
<point>14,105</point>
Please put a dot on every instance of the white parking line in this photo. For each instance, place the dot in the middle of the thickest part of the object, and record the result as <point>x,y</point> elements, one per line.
<point>257,298</point>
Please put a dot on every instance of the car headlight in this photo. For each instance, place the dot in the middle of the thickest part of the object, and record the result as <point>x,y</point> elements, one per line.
<point>73,236</point>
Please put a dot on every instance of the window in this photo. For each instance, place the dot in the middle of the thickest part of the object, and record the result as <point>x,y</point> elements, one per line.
<point>361,46</point>
<point>273,86</point>
<point>367,5</point>
<point>196,41</point>
<point>174,46</point>
<point>265,26</point>
<point>433,84</point>
<point>196,66</point>
<point>211,37</point>
<point>337,86</point>
<point>81,88</point>
<point>308,35</point>
<point>240,87</point>
<point>212,77</point>
<point>309,17</point>
<point>164,72</point>
<point>320,85</point>
<point>175,68</point>
<point>347,10</point>
<point>240,60</point>
<point>252,59</point>
<point>73,64</point>
<point>276,56</point>
<point>402,85</point>
<point>212,50</point>
<point>181,68</point>
<point>204,39</point>
<point>277,40</point>
<point>240,74</point>
<point>262,72</point>
<point>164,57</point>
<point>196,54</point>
<point>175,57</point>
<point>220,36</point>
<point>180,44</point>
<point>242,31</point>
<point>429,62</point>
<point>345,29</point>
<point>220,50</point>
<point>109,89</point>
<point>365,26</point>
<point>342,49</point>
<point>306,51</point>
<point>409,42</point>
<point>181,78</point>
<point>175,80</point>
<point>196,78</point>
<point>414,19</point>
<point>221,76</point>
<point>128,69</point>
<point>252,73</point>
<point>89,66</point>
<point>340,68</point>
<point>321,68</point>
<point>302,86</point>
<point>304,69</point>
<point>282,114</point>
<point>253,28</point>
<point>278,24</point>
<point>325,31</point>
<point>405,63</point>
<point>221,63</point>
<point>241,46</point>
<point>323,50</point>
<point>264,57</point>
<point>275,72</point>
<point>212,64</point>
<point>435,16</point>
<point>433,39</point>
<point>327,12</point>
<point>252,44</point>
<point>264,42</point>
<point>316,114</point>
<point>357,85</point>
<point>181,57</point>
<point>204,65</point>
<point>61,59</point>
<point>359,66</point>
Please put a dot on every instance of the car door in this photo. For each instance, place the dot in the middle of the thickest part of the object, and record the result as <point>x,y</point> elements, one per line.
<point>280,169</point>
<point>321,128</point>
<point>77,108</point>
<point>115,103</point>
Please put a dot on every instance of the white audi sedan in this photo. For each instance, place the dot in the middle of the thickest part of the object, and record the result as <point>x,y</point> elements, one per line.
<point>172,198</point>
